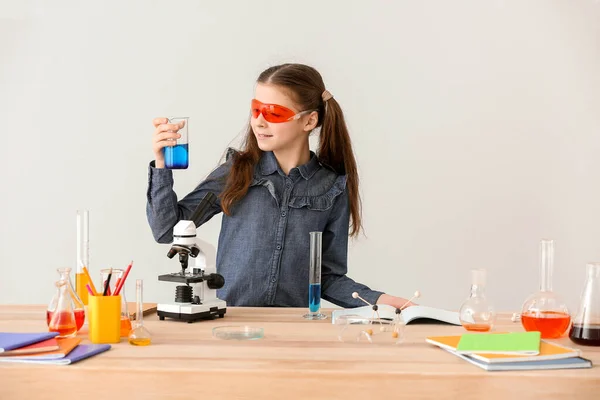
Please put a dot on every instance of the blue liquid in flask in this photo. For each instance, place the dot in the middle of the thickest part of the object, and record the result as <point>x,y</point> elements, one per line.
<point>176,157</point>
<point>314,297</point>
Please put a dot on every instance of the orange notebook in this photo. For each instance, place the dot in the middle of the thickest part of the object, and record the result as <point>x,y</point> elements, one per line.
<point>40,347</point>
<point>65,346</point>
<point>548,351</point>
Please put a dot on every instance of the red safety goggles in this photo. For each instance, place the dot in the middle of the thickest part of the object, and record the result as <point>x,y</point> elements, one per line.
<point>274,113</point>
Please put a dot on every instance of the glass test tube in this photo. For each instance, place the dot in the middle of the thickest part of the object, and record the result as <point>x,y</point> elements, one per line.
<point>314,278</point>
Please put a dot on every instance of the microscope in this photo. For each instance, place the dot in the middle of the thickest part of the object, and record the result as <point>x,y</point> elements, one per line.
<point>195,298</point>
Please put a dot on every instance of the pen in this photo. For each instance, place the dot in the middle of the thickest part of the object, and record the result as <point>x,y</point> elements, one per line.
<point>107,283</point>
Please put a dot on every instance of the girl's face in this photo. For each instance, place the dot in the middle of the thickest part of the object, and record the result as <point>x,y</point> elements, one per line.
<point>274,136</point>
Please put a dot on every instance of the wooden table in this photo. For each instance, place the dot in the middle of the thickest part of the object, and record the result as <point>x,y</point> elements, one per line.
<point>297,359</point>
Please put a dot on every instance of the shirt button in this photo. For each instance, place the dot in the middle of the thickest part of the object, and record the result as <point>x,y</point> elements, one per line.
<point>288,184</point>
<point>283,213</point>
<point>278,247</point>
<point>273,280</point>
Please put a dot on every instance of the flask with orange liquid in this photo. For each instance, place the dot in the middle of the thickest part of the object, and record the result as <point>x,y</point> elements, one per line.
<point>65,313</point>
<point>139,335</point>
<point>476,313</point>
<point>544,311</point>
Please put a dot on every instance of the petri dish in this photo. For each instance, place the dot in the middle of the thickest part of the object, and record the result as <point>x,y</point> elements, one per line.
<point>238,332</point>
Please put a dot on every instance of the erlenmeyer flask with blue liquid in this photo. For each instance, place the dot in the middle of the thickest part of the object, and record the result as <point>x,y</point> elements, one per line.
<point>314,278</point>
<point>177,156</point>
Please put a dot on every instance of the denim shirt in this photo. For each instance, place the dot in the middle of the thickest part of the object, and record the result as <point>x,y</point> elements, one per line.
<point>263,249</point>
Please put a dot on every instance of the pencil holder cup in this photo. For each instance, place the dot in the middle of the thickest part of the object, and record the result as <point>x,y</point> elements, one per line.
<point>104,319</point>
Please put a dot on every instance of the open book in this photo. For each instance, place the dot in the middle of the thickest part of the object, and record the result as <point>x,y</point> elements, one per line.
<point>416,314</point>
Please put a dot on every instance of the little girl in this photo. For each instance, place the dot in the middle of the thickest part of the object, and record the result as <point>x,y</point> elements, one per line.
<point>273,192</point>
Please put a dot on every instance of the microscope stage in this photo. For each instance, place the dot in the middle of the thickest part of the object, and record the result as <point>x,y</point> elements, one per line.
<point>192,312</point>
<point>182,278</point>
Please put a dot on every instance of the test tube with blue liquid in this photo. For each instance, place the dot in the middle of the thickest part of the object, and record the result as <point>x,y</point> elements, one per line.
<point>177,156</point>
<point>314,278</point>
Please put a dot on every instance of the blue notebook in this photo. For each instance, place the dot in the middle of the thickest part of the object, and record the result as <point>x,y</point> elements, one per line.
<point>81,352</point>
<point>15,340</point>
<point>564,363</point>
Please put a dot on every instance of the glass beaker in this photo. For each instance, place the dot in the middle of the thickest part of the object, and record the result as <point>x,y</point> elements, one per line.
<point>139,335</point>
<point>65,313</point>
<point>544,311</point>
<point>177,157</point>
<point>117,275</point>
<point>586,323</point>
<point>476,313</point>
<point>314,278</point>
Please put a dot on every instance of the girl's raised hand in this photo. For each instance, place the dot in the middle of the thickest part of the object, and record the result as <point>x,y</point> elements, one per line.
<point>165,135</point>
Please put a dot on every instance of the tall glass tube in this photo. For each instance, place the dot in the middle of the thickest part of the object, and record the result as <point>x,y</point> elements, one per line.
<point>314,278</point>
<point>546,264</point>
<point>83,255</point>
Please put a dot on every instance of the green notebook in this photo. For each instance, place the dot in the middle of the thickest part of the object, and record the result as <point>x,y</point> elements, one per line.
<point>526,343</point>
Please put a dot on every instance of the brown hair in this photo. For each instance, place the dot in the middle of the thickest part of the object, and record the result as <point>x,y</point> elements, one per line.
<point>305,85</point>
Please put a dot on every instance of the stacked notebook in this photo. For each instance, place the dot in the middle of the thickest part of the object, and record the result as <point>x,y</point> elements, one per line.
<point>511,351</point>
<point>45,348</point>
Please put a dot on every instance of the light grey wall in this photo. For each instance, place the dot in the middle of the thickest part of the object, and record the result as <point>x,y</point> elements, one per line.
<point>475,124</point>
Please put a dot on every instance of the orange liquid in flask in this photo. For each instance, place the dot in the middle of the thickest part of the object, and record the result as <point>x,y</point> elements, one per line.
<point>65,323</point>
<point>477,327</point>
<point>125,326</point>
<point>79,317</point>
<point>550,324</point>
<point>140,342</point>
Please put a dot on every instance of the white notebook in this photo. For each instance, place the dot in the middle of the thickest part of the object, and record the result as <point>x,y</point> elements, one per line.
<point>414,313</point>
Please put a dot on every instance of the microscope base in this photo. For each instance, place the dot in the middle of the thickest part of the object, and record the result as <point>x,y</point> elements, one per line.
<point>192,312</point>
